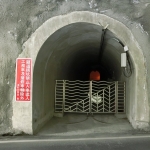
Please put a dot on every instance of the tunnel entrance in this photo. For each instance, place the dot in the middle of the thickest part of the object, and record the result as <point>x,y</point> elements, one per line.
<point>67,48</point>
<point>72,53</point>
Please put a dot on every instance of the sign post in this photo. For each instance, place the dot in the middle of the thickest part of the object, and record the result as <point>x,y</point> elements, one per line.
<point>23,79</point>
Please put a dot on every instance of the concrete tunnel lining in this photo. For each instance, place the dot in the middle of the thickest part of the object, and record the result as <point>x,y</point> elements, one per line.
<point>70,54</point>
<point>33,46</point>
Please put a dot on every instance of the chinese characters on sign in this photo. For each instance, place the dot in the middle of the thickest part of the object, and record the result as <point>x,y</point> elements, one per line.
<point>23,79</point>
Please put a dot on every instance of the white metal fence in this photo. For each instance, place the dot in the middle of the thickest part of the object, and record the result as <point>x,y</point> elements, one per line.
<point>89,96</point>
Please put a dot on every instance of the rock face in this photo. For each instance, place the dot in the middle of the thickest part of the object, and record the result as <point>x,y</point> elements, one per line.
<point>19,19</point>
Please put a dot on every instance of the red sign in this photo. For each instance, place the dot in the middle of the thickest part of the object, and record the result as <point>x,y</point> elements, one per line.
<point>23,79</point>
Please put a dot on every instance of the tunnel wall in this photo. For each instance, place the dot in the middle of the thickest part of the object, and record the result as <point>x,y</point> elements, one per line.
<point>70,53</point>
<point>20,19</point>
<point>137,106</point>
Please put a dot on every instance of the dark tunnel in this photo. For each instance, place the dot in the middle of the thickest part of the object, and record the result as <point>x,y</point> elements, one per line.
<point>71,53</point>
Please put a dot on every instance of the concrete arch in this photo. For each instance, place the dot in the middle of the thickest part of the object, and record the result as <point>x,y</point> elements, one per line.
<point>138,106</point>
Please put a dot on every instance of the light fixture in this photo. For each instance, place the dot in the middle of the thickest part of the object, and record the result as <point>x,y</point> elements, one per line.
<point>123,59</point>
<point>126,48</point>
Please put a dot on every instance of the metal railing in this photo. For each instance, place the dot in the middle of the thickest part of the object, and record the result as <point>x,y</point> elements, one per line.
<point>89,96</point>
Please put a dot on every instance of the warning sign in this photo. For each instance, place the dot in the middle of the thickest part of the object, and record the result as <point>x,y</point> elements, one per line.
<point>23,79</point>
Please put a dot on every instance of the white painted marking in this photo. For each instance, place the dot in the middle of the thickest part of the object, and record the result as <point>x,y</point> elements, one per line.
<point>75,139</point>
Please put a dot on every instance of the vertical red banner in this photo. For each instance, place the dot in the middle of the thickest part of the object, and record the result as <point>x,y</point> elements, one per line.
<point>23,79</point>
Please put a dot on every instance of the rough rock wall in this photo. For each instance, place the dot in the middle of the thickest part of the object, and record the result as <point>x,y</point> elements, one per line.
<point>20,18</point>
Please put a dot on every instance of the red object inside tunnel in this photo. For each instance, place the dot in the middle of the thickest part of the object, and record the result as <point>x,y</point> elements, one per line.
<point>95,75</point>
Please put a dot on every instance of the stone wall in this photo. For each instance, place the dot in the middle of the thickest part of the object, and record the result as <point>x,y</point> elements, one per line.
<point>20,18</point>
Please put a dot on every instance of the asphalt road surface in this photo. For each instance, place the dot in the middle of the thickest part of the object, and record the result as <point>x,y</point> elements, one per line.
<point>134,142</point>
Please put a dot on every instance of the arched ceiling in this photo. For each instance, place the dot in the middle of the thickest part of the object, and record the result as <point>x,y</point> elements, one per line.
<point>74,49</point>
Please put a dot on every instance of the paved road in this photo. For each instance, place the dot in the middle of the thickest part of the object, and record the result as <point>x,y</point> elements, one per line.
<point>140,142</point>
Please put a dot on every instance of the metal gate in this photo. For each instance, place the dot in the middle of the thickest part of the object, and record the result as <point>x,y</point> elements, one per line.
<point>89,96</point>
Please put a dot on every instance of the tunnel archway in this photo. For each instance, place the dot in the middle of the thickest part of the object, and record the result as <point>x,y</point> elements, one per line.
<point>70,54</point>
<point>58,62</point>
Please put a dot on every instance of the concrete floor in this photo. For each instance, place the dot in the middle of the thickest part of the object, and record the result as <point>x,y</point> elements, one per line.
<point>80,124</point>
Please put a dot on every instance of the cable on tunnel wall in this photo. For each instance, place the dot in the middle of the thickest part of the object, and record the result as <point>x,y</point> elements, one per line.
<point>127,73</point>
<point>101,45</point>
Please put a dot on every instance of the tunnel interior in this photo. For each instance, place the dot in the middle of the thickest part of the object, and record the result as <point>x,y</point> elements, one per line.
<point>81,56</point>
<point>71,53</point>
